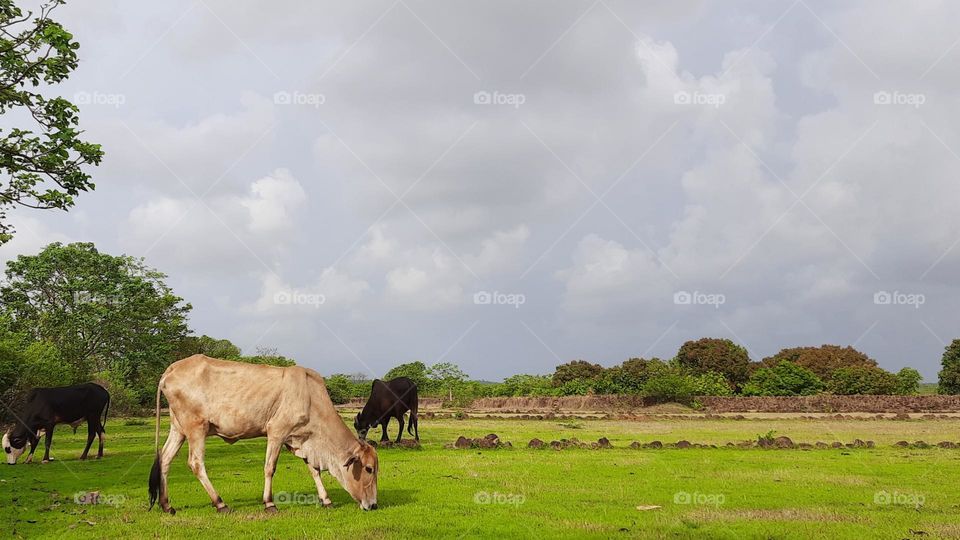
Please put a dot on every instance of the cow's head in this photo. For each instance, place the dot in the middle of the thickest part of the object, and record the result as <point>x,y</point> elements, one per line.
<point>363,424</point>
<point>358,475</point>
<point>14,443</point>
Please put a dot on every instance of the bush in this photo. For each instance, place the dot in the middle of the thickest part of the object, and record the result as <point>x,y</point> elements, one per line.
<point>950,374</point>
<point>671,385</point>
<point>43,365</point>
<point>783,379</point>
<point>340,388</point>
<point>712,384</point>
<point>718,355</point>
<point>123,399</point>
<point>525,385</point>
<point>576,387</point>
<point>823,361</point>
<point>862,380</point>
<point>908,381</point>
<point>577,370</point>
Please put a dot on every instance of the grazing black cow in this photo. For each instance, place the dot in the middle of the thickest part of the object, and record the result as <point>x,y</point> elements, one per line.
<point>389,399</point>
<point>47,407</point>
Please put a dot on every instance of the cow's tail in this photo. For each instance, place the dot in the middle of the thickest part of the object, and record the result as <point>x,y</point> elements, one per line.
<point>154,486</point>
<point>103,423</point>
<point>412,428</point>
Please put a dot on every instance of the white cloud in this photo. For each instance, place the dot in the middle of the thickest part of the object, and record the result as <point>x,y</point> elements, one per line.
<point>272,201</point>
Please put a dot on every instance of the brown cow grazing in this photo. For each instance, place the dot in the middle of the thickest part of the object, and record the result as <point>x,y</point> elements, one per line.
<point>289,406</point>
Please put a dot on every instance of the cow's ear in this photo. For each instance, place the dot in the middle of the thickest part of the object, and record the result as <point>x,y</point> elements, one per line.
<point>351,461</point>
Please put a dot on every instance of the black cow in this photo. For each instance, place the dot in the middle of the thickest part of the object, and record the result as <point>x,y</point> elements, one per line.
<point>47,407</point>
<point>389,399</point>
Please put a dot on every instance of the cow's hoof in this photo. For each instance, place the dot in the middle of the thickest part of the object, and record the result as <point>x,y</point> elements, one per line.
<point>327,503</point>
<point>270,509</point>
<point>83,458</point>
<point>172,511</point>
<point>46,461</point>
<point>224,510</point>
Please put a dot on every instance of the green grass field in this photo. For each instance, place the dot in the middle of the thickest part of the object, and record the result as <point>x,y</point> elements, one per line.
<point>885,492</point>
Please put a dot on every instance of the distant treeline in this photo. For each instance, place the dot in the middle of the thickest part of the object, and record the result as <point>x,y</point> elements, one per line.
<point>704,367</point>
<point>71,314</point>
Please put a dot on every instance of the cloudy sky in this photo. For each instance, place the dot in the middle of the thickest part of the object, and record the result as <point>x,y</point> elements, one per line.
<point>510,185</point>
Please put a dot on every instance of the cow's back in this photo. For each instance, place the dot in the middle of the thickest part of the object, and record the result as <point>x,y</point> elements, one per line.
<point>237,399</point>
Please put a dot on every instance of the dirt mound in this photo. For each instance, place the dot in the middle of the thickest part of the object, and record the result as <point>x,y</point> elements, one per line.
<point>491,441</point>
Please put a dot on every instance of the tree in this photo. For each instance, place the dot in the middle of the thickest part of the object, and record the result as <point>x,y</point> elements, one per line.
<point>908,381</point>
<point>823,360</point>
<point>576,370</point>
<point>212,347</point>
<point>339,387</point>
<point>415,371</point>
<point>630,377</point>
<point>863,380</point>
<point>949,377</point>
<point>719,355</point>
<point>101,312</point>
<point>783,379</point>
<point>525,385</point>
<point>447,376</point>
<point>39,170</point>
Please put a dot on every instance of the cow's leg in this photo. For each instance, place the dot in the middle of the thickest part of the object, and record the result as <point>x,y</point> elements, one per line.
<point>197,439</point>
<point>91,433</point>
<point>99,440</point>
<point>399,435</point>
<point>47,441</point>
<point>321,491</point>
<point>384,437</point>
<point>170,448</point>
<point>34,442</point>
<point>269,467</point>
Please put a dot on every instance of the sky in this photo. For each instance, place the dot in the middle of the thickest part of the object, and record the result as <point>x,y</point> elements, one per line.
<point>512,185</point>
